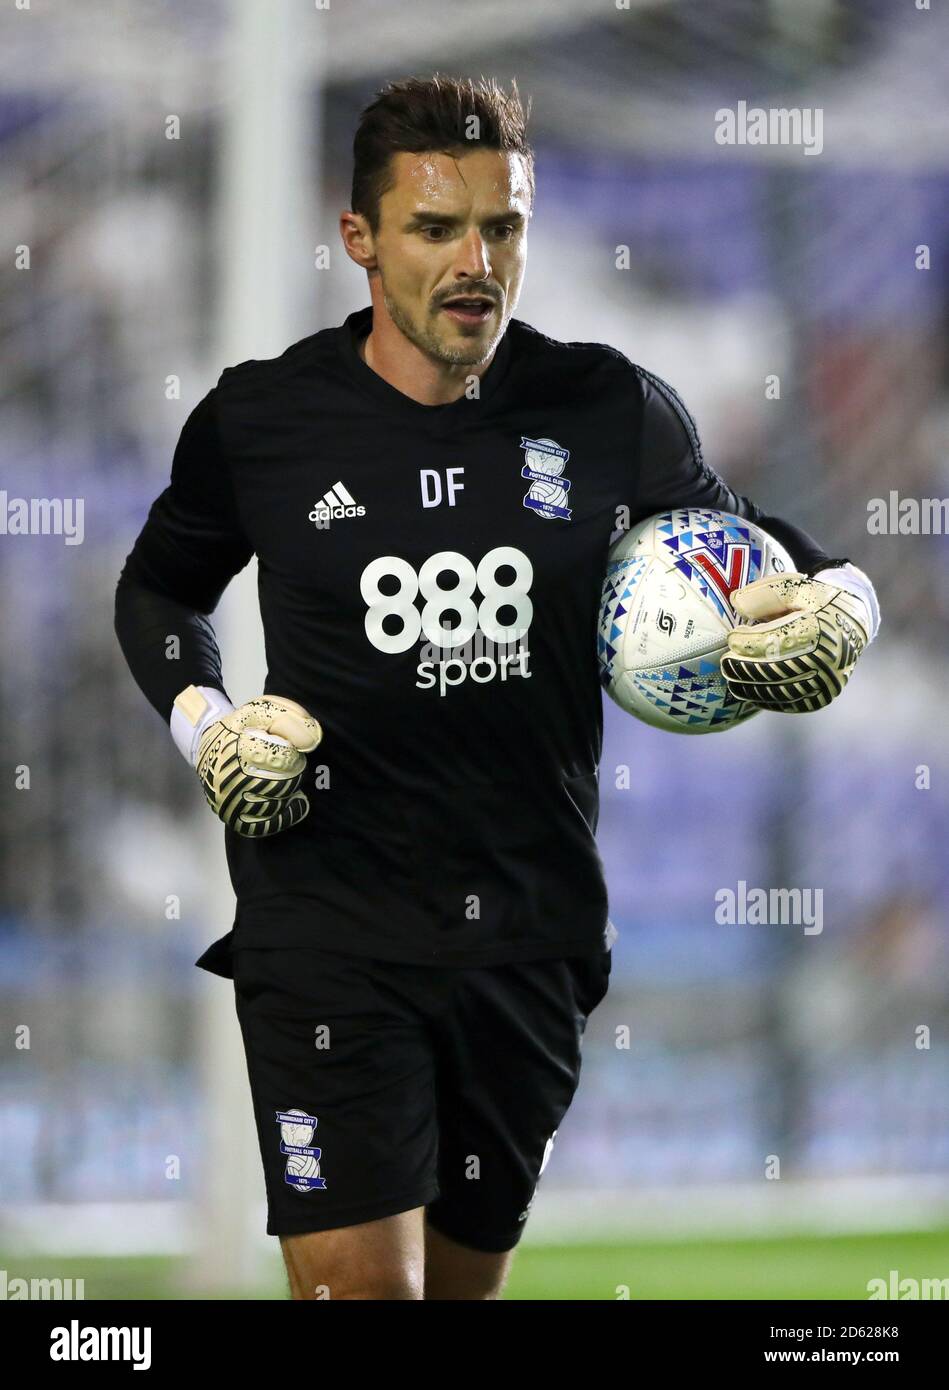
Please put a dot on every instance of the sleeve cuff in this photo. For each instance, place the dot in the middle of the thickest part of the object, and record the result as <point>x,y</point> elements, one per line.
<point>194,711</point>
<point>847,576</point>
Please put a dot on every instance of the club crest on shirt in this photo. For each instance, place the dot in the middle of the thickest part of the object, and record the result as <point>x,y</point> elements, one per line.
<point>303,1161</point>
<point>544,462</point>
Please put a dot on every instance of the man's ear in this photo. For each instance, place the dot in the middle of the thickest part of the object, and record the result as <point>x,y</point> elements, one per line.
<point>358,240</point>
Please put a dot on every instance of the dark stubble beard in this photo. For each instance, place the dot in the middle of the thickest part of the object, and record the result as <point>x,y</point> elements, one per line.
<point>431,344</point>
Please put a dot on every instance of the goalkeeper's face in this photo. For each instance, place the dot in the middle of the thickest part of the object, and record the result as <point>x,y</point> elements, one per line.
<point>451,250</point>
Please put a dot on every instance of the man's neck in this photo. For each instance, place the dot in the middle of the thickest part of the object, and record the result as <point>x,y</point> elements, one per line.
<point>410,384</point>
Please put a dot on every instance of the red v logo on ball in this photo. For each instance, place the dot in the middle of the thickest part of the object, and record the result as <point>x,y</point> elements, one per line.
<point>724,579</point>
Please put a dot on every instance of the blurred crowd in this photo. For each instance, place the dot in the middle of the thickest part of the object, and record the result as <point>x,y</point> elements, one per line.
<point>742,1039</point>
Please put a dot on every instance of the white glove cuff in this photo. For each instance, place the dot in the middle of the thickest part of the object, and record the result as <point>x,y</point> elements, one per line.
<point>188,723</point>
<point>857,583</point>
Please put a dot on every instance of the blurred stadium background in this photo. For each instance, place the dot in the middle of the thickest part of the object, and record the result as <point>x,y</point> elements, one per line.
<point>155,260</point>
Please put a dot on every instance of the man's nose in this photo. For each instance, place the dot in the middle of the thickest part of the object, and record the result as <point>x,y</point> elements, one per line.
<point>473,259</point>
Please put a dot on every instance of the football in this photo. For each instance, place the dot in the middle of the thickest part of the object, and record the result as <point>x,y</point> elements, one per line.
<point>666,612</point>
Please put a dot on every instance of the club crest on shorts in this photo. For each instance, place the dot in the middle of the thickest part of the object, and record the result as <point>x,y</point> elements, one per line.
<point>303,1161</point>
<point>544,462</point>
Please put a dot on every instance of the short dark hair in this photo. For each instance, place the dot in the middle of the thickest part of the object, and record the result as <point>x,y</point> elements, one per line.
<point>420,114</point>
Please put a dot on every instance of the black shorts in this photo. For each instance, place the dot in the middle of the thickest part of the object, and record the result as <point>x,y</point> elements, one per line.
<point>380,1087</point>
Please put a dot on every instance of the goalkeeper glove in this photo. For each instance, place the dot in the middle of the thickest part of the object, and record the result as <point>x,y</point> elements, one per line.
<point>250,760</point>
<point>804,639</point>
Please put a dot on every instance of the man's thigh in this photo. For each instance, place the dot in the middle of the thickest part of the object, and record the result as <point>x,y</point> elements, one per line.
<point>374,1260</point>
<point>342,1081</point>
<point>454,1271</point>
<point>507,1067</point>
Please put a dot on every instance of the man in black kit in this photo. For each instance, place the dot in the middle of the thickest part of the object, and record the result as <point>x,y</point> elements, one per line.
<point>421,929</point>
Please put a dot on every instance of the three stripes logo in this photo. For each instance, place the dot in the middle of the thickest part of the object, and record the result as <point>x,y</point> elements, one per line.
<point>335,503</point>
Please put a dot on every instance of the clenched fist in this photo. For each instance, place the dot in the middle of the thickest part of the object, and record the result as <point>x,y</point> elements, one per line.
<point>251,760</point>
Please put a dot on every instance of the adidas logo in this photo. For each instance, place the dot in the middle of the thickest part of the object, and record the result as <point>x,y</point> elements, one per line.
<point>337,502</point>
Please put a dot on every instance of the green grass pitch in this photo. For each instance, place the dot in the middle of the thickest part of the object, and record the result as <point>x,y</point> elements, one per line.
<point>826,1267</point>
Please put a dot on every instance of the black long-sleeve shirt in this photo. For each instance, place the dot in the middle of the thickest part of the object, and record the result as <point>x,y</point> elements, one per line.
<point>454,812</point>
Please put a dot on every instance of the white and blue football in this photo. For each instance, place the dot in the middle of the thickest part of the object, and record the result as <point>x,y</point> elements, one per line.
<point>666,613</point>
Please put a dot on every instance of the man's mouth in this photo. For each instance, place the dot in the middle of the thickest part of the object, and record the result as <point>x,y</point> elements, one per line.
<point>473,308</point>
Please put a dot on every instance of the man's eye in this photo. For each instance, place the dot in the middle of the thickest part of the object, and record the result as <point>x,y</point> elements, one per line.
<point>439,233</point>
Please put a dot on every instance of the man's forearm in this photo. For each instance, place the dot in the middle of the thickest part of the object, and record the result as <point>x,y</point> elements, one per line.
<point>167,645</point>
<point>806,553</point>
